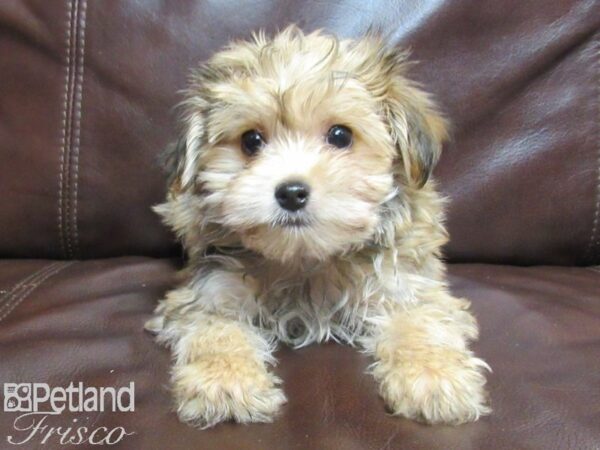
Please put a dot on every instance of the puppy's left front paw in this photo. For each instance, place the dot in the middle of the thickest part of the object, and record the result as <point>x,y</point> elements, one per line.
<point>440,385</point>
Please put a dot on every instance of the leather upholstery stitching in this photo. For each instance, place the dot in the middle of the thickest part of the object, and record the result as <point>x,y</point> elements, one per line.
<point>69,149</point>
<point>65,134</point>
<point>77,123</point>
<point>8,294</point>
<point>595,236</point>
<point>71,128</point>
<point>32,285</point>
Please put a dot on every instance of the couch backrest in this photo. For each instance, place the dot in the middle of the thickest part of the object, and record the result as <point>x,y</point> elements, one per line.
<point>87,90</point>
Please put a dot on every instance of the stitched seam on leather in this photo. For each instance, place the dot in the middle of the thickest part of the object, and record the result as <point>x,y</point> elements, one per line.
<point>595,236</point>
<point>77,121</point>
<point>10,307</point>
<point>69,149</point>
<point>65,132</point>
<point>9,293</point>
<point>69,160</point>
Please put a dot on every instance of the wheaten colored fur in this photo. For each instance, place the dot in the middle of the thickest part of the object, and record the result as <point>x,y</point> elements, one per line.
<point>363,270</point>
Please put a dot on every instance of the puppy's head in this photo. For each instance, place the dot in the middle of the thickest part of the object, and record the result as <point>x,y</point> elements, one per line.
<point>293,145</point>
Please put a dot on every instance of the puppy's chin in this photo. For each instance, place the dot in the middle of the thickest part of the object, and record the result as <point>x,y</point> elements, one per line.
<point>300,241</point>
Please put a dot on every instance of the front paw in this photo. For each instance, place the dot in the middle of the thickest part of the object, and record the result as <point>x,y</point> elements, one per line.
<point>218,387</point>
<point>439,385</point>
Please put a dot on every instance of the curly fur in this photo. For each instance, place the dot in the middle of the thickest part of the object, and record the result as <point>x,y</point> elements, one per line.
<point>364,269</point>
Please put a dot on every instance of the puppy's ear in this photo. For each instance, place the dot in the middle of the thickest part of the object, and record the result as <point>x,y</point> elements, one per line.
<point>180,159</point>
<point>417,128</point>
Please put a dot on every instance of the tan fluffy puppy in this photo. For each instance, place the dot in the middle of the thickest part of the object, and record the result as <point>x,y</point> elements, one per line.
<point>300,190</point>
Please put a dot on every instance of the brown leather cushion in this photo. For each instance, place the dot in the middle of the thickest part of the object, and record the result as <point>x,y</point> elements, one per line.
<point>88,88</point>
<point>540,332</point>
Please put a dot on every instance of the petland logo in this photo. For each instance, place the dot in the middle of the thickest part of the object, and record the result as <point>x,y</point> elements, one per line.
<point>36,402</point>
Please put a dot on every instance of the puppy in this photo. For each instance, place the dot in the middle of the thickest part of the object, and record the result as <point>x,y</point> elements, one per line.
<point>301,191</point>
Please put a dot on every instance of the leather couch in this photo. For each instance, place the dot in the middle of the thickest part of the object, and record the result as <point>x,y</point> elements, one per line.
<point>87,90</point>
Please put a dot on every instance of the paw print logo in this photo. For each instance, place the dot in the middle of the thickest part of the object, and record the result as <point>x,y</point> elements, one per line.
<point>17,397</point>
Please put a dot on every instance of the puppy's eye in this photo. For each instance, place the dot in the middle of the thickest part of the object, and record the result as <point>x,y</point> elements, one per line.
<point>252,142</point>
<point>339,136</point>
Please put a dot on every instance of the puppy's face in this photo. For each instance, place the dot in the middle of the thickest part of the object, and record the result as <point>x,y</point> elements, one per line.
<point>295,144</point>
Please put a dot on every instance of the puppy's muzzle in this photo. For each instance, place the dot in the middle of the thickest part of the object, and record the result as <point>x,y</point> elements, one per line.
<point>292,195</point>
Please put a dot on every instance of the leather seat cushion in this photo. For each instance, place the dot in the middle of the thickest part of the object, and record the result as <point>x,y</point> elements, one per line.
<point>82,321</point>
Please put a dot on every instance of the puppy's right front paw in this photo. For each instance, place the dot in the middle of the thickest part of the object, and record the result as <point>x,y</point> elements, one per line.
<point>218,387</point>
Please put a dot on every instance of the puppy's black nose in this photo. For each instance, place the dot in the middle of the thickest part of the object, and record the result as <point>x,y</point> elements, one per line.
<point>292,195</point>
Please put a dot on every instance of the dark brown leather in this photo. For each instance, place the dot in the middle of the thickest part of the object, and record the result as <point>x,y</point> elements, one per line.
<point>88,89</point>
<point>86,97</point>
<point>540,332</point>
